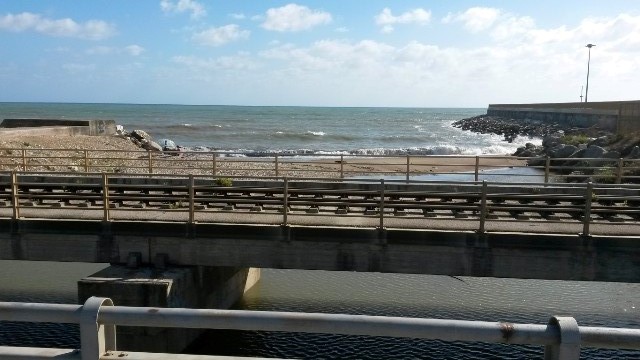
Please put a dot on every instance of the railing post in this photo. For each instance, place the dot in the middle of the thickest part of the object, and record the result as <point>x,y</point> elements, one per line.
<point>24,159</point>
<point>619,172</point>
<point>86,161</point>
<point>192,214</point>
<point>483,207</point>
<point>408,166</point>
<point>547,162</point>
<point>214,164</point>
<point>105,196</point>
<point>341,166</point>
<point>15,200</point>
<point>587,209</point>
<point>477,169</point>
<point>95,339</point>
<point>150,162</point>
<point>285,202</point>
<point>569,346</point>
<point>381,203</point>
<point>276,165</point>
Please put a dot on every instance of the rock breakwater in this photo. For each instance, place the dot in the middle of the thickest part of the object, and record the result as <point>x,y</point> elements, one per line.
<point>583,154</point>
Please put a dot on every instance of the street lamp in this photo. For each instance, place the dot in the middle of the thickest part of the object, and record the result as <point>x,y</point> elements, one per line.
<point>586,94</point>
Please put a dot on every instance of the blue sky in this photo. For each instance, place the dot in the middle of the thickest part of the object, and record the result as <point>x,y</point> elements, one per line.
<point>318,53</point>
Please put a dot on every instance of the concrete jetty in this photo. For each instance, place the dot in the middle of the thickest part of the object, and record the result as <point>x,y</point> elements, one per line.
<point>616,116</point>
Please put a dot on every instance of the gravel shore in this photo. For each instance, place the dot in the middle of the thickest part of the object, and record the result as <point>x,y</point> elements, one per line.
<point>119,154</point>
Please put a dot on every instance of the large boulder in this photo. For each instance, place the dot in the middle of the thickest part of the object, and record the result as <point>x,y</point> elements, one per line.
<point>551,141</point>
<point>140,135</point>
<point>562,151</point>
<point>593,152</point>
<point>611,155</point>
<point>601,141</point>
<point>150,145</point>
<point>634,153</point>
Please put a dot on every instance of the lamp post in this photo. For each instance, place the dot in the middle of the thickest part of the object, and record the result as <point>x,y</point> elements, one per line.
<point>586,94</point>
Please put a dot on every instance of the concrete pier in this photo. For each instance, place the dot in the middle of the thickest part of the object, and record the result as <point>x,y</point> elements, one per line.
<point>619,117</point>
<point>185,287</point>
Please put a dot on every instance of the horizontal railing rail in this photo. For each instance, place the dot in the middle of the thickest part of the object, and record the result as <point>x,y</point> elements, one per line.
<point>218,163</point>
<point>207,199</point>
<point>98,318</point>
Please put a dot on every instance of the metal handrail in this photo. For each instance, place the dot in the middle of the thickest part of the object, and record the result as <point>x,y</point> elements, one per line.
<point>562,337</point>
<point>384,200</point>
<point>219,163</point>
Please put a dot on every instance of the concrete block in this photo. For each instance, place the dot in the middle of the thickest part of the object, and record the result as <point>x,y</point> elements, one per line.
<point>185,287</point>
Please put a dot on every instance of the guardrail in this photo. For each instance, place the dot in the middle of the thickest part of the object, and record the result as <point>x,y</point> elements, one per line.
<point>289,201</point>
<point>562,337</point>
<point>339,166</point>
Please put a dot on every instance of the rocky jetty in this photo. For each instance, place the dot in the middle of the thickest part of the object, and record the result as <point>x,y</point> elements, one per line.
<point>581,152</point>
<point>512,128</point>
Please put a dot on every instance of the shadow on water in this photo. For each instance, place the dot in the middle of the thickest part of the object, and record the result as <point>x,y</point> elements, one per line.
<point>488,299</point>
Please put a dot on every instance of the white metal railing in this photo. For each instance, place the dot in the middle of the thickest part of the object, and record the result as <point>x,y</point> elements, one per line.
<point>562,337</point>
<point>340,166</point>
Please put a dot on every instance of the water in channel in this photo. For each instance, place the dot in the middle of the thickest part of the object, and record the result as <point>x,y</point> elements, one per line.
<point>488,299</point>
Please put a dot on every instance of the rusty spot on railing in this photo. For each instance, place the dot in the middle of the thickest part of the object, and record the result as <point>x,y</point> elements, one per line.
<point>507,330</point>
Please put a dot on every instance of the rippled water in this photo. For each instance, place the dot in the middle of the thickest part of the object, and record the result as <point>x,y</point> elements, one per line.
<point>489,299</point>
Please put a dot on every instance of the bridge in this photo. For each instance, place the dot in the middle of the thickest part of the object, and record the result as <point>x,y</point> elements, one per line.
<point>179,239</point>
<point>544,231</point>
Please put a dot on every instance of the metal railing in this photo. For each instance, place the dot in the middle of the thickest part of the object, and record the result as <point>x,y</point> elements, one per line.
<point>335,166</point>
<point>206,199</point>
<point>98,317</point>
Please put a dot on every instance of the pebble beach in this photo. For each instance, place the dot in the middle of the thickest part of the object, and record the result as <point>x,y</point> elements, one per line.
<point>119,154</point>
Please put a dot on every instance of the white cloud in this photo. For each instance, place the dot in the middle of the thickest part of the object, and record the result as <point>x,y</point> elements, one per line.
<point>221,35</point>
<point>237,16</point>
<point>196,9</point>
<point>92,29</point>
<point>475,19</point>
<point>132,50</point>
<point>196,64</point>
<point>387,20</point>
<point>293,17</point>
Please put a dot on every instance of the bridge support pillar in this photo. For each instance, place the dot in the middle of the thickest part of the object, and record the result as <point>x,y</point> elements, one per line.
<point>173,287</point>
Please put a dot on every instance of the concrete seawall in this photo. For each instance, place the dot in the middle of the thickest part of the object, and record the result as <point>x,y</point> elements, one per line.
<point>52,127</point>
<point>616,116</point>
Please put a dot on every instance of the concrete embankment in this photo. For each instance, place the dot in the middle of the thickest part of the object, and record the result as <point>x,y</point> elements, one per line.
<point>54,127</point>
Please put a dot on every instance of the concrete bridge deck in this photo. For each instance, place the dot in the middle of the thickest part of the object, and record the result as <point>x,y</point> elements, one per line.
<point>543,231</point>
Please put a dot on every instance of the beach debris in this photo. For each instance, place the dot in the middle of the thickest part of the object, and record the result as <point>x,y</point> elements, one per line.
<point>167,145</point>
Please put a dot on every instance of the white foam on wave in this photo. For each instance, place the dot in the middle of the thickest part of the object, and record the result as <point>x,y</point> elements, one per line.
<point>316,133</point>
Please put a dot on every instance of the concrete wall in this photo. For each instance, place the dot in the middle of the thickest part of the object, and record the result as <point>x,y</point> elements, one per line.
<point>174,287</point>
<point>617,116</point>
<point>58,127</point>
<point>463,253</point>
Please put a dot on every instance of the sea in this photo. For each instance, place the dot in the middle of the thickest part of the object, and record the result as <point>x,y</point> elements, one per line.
<point>304,131</point>
<point>295,131</point>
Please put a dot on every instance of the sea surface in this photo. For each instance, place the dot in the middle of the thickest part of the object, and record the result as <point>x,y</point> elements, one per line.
<point>264,130</point>
<point>300,131</point>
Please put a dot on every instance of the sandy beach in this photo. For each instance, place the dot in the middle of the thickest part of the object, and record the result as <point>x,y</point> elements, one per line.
<point>119,154</point>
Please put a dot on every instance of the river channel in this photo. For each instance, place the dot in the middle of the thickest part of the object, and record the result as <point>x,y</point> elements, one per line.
<point>489,299</point>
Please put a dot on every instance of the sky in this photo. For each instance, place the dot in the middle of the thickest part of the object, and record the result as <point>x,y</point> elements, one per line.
<point>401,53</point>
